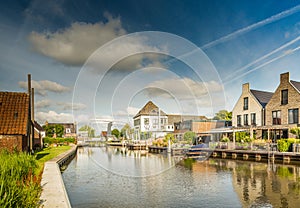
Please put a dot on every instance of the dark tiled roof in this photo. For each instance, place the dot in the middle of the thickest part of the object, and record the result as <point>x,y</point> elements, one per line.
<point>38,126</point>
<point>263,97</point>
<point>13,113</point>
<point>150,109</point>
<point>296,84</point>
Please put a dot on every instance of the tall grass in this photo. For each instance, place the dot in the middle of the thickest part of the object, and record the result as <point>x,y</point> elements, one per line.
<point>19,187</point>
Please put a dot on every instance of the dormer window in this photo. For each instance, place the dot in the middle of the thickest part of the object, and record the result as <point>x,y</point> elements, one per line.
<point>284,97</point>
<point>246,103</point>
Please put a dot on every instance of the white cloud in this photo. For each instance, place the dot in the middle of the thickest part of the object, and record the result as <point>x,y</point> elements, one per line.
<point>130,111</point>
<point>73,45</point>
<point>70,106</point>
<point>44,86</point>
<point>42,103</point>
<point>52,116</point>
<point>183,88</point>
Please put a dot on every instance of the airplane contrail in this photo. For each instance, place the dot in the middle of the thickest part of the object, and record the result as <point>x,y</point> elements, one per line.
<point>264,64</point>
<point>253,26</point>
<point>264,57</point>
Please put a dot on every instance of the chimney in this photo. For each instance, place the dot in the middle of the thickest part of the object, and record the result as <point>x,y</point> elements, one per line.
<point>285,77</point>
<point>29,144</point>
<point>32,104</point>
<point>246,87</point>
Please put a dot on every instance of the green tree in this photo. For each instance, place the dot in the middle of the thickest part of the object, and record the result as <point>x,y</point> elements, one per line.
<point>115,132</point>
<point>126,131</point>
<point>189,136</point>
<point>90,130</point>
<point>296,131</point>
<point>223,115</point>
<point>58,129</point>
<point>170,137</point>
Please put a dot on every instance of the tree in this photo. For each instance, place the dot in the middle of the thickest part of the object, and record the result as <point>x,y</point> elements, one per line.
<point>115,132</point>
<point>57,129</point>
<point>126,131</point>
<point>296,131</point>
<point>189,136</point>
<point>170,137</point>
<point>223,115</point>
<point>90,130</point>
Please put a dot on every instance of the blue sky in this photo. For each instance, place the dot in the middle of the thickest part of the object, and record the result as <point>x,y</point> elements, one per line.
<point>189,57</point>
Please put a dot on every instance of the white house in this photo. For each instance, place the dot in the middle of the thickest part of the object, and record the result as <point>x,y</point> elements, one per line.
<point>151,122</point>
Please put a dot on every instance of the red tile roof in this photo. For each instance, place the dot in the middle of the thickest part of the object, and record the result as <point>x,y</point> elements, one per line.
<point>13,113</point>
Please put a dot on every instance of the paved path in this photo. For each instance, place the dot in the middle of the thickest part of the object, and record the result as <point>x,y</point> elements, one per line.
<point>53,189</point>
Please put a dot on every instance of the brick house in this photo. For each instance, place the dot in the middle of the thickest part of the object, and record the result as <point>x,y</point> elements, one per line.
<point>15,121</point>
<point>250,107</point>
<point>282,111</point>
<point>249,112</point>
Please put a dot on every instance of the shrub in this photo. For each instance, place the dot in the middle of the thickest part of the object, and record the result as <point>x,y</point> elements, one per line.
<point>66,141</point>
<point>283,145</point>
<point>225,139</point>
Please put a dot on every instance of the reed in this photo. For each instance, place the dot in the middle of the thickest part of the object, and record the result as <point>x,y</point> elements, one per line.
<point>19,186</point>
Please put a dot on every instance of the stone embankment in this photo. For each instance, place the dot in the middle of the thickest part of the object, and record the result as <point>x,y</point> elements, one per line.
<point>54,193</point>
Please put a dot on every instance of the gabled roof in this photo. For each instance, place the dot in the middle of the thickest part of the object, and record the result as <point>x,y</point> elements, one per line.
<point>296,85</point>
<point>38,126</point>
<point>13,113</point>
<point>263,97</point>
<point>150,109</point>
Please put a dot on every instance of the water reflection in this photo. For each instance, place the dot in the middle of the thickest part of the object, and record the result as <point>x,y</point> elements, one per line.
<point>111,177</point>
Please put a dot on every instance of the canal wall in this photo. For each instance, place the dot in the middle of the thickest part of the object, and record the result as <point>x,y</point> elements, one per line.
<point>54,193</point>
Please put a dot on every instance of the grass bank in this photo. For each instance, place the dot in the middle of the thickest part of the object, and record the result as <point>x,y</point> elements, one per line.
<point>20,175</point>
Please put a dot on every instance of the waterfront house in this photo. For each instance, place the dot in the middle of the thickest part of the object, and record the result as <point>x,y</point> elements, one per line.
<point>282,111</point>
<point>249,111</point>
<point>15,121</point>
<point>150,121</point>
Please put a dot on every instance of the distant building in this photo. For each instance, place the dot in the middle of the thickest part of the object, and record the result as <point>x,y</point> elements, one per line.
<point>152,122</point>
<point>69,128</point>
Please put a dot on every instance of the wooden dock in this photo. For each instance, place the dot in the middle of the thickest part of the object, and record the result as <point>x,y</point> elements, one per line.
<point>247,154</point>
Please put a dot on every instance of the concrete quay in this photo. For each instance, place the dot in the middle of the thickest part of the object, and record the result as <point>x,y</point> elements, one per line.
<point>54,193</point>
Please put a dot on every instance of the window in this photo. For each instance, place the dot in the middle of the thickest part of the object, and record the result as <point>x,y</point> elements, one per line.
<point>284,97</point>
<point>239,120</point>
<point>245,119</point>
<point>246,103</point>
<point>293,116</point>
<point>276,117</point>
<point>146,121</point>
<point>15,115</point>
<point>253,119</point>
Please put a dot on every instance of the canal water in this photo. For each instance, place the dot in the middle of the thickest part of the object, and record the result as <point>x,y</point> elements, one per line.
<point>116,177</point>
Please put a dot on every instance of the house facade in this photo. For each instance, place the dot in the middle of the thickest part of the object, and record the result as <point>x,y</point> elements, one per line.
<point>249,112</point>
<point>250,107</point>
<point>69,129</point>
<point>151,122</point>
<point>282,111</point>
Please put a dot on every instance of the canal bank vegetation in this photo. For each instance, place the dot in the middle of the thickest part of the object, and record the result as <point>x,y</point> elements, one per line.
<point>20,176</point>
<point>59,141</point>
<point>19,185</point>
